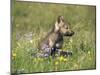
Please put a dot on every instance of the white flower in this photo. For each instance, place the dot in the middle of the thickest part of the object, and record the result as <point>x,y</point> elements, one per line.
<point>31,41</point>
<point>71,40</point>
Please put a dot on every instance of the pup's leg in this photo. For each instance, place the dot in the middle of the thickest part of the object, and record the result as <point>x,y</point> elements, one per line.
<point>53,50</point>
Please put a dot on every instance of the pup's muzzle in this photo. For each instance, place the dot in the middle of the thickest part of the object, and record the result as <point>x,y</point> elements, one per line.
<point>69,33</point>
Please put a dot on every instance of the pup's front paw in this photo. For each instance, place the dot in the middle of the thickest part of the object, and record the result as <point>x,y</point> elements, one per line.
<point>65,53</point>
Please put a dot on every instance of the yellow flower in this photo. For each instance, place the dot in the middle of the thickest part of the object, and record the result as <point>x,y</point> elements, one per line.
<point>65,60</point>
<point>61,58</point>
<point>56,63</point>
<point>89,52</point>
<point>14,54</point>
<point>39,59</point>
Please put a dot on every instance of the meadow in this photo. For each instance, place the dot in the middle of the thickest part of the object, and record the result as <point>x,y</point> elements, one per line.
<point>31,23</point>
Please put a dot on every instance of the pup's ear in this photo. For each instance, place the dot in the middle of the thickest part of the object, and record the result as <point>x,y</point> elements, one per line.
<point>60,18</point>
<point>56,26</point>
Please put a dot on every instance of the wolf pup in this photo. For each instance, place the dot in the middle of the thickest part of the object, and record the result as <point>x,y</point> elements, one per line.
<point>54,40</point>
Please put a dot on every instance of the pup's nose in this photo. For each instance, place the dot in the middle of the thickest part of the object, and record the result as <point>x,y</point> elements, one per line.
<point>69,33</point>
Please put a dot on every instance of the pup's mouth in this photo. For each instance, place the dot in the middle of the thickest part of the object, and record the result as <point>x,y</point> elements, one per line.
<point>70,33</point>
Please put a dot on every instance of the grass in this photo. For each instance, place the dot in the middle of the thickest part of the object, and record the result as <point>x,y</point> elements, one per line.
<point>31,22</point>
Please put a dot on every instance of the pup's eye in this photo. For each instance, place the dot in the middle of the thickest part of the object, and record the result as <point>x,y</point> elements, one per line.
<point>66,27</point>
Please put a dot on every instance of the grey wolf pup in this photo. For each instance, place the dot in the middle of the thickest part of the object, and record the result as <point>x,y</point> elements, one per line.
<point>54,40</point>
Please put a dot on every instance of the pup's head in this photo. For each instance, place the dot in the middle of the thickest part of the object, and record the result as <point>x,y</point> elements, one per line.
<point>62,27</point>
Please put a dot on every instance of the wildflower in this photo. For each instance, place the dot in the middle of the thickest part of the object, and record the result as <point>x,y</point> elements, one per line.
<point>56,63</point>
<point>65,60</point>
<point>71,40</point>
<point>89,52</point>
<point>61,58</point>
<point>39,59</point>
<point>31,41</point>
<point>14,54</point>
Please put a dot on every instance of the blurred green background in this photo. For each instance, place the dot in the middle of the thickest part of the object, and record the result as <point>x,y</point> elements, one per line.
<point>32,21</point>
